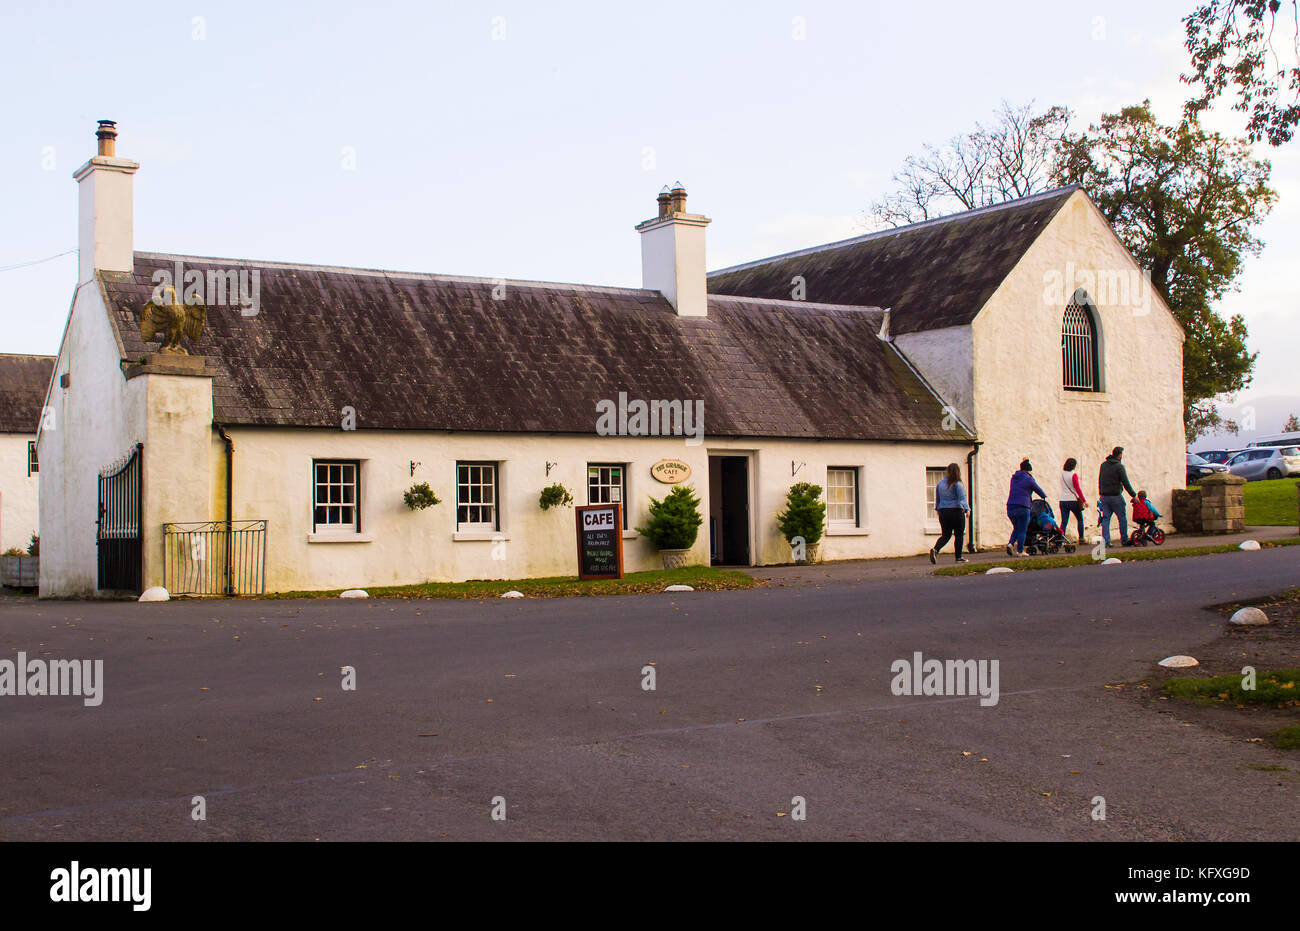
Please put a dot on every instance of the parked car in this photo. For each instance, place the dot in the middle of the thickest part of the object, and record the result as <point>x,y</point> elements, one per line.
<point>1198,468</point>
<point>1217,455</point>
<point>1266,462</point>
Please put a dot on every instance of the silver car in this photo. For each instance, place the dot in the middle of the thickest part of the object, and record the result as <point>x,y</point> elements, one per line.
<point>1263,462</point>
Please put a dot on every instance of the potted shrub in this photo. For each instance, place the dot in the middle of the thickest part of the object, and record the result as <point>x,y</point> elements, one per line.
<point>554,496</point>
<point>418,497</point>
<point>803,521</point>
<point>673,526</point>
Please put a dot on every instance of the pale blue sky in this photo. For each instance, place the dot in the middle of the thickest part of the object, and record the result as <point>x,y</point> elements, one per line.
<point>524,157</point>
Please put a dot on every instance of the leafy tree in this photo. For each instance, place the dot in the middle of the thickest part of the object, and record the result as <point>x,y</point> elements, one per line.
<point>1012,157</point>
<point>1184,201</point>
<point>1237,43</point>
<point>675,521</point>
<point>1292,425</point>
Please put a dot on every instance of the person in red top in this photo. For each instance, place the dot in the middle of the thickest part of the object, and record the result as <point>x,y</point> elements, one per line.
<point>1144,513</point>
<point>1072,499</point>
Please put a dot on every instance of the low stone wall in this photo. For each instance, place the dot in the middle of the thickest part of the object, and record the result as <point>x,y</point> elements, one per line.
<point>1187,510</point>
<point>1223,505</point>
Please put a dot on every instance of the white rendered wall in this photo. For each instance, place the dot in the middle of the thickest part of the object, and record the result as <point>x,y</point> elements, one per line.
<point>19,510</point>
<point>945,358</point>
<point>273,481</point>
<point>96,420</point>
<point>1021,408</point>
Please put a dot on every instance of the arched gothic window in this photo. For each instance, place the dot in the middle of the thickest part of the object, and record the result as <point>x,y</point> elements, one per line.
<point>1079,346</point>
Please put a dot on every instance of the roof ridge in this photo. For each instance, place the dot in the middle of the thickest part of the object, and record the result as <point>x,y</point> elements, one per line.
<point>393,273</point>
<point>782,302</point>
<point>897,230</point>
<point>26,355</point>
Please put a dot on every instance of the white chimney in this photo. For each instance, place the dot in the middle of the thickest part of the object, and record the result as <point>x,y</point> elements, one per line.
<point>672,254</point>
<point>105,222</point>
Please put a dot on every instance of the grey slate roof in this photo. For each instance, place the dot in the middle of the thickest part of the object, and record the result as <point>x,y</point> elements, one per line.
<point>935,274</point>
<point>430,352</point>
<point>23,383</point>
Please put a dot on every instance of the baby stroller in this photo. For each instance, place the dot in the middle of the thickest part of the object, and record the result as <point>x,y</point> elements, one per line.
<point>1044,534</point>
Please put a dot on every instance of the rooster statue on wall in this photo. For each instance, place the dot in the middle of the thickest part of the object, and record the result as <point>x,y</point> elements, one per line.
<point>169,322</point>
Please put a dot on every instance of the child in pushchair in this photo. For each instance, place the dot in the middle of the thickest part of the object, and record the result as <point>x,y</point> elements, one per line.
<point>1144,515</point>
<point>1045,534</point>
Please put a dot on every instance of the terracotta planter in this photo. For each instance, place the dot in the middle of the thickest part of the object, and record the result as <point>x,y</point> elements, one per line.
<point>676,559</point>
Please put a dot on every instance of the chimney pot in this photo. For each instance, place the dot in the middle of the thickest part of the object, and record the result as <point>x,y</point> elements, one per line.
<point>107,136</point>
<point>665,202</point>
<point>678,198</point>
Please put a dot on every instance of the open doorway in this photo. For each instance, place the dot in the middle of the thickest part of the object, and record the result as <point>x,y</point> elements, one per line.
<point>729,511</point>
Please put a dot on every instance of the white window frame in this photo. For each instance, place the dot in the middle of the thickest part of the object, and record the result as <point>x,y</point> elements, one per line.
<point>855,485</point>
<point>464,494</point>
<point>607,488</point>
<point>931,515</point>
<point>336,526</point>
<point>33,465</point>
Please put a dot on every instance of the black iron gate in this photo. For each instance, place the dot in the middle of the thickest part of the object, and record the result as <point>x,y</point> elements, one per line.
<point>121,550</point>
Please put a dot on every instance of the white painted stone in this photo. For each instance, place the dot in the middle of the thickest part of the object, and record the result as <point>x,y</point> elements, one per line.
<point>1111,562</point>
<point>1180,661</point>
<point>1249,545</point>
<point>512,594</point>
<point>157,593</point>
<point>679,588</point>
<point>1249,617</point>
<point>355,593</point>
<point>997,570</point>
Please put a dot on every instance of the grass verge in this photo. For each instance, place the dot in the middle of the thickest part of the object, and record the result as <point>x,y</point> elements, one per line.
<point>1279,688</point>
<point>1134,555</point>
<point>1288,738</point>
<point>634,583</point>
<point>1270,503</point>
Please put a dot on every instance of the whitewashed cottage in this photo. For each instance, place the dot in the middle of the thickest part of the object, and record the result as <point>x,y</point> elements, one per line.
<point>314,397</point>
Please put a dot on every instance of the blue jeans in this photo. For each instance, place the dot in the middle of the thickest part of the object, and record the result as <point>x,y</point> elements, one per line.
<point>1113,504</point>
<point>1068,508</point>
<point>1019,526</point>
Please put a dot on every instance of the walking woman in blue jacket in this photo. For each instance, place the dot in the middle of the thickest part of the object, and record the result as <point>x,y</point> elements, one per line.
<point>952,507</point>
<point>1023,488</point>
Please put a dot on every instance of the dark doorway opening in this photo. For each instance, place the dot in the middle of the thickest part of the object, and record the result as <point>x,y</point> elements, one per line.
<point>729,510</point>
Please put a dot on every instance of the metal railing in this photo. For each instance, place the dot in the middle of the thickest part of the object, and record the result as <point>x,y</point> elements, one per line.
<point>215,557</point>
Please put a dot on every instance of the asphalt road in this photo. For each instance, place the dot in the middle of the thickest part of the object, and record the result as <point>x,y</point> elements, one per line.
<point>760,696</point>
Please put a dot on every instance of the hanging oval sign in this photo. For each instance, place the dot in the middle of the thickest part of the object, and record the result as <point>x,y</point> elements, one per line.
<point>670,471</point>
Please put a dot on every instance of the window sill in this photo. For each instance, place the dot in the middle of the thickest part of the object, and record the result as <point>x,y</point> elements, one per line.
<point>1093,396</point>
<point>933,531</point>
<point>847,532</point>
<point>630,534</point>
<point>340,537</point>
<point>488,536</point>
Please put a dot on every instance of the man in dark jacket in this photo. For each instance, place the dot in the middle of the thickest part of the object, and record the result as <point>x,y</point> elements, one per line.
<point>1112,481</point>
